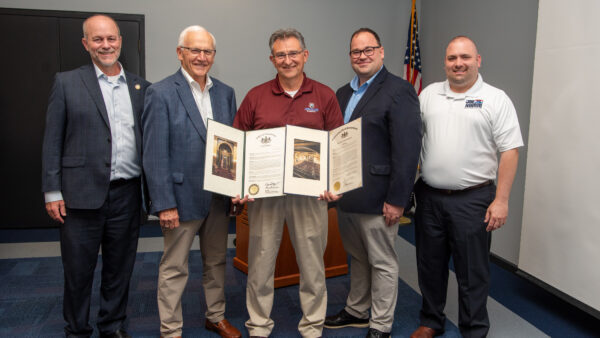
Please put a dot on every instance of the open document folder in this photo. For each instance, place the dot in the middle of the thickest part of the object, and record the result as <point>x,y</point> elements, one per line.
<point>285,160</point>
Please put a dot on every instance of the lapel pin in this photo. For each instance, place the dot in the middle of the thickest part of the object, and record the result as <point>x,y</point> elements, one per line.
<point>137,86</point>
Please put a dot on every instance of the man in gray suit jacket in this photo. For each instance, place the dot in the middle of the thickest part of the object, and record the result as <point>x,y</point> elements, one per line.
<point>91,177</point>
<point>174,123</point>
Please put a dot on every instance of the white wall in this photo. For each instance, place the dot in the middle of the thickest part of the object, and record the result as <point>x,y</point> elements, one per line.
<point>242,29</point>
<point>561,220</point>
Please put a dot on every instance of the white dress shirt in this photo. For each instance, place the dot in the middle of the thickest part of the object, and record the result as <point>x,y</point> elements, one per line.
<point>202,97</point>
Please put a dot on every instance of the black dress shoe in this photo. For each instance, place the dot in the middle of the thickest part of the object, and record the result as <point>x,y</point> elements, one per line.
<point>344,319</point>
<point>373,333</point>
<point>120,333</point>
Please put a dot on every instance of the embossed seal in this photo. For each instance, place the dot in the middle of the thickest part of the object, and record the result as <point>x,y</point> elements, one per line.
<point>253,189</point>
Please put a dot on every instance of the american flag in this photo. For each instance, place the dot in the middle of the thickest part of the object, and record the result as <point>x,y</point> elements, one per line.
<point>412,57</point>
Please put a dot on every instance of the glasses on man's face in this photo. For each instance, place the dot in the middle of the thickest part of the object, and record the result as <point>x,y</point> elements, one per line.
<point>369,51</point>
<point>197,51</point>
<point>292,55</point>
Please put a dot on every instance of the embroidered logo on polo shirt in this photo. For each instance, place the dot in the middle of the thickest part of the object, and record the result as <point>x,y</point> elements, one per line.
<point>311,108</point>
<point>473,103</point>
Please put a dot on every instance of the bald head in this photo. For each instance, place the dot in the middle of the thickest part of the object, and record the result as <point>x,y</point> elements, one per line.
<point>462,64</point>
<point>464,39</point>
<point>98,18</point>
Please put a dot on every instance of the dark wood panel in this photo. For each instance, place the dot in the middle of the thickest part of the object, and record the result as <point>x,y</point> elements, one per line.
<point>30,58</point>
<point>36,45</point>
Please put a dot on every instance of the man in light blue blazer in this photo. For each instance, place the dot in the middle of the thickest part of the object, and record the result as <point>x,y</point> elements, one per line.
<point>174,120</point>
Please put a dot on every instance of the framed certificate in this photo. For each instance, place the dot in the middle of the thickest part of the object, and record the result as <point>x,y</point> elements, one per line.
<point>306,161</point>
<point>224,162</point>
<point>345,157</point>
<point>264,158</point>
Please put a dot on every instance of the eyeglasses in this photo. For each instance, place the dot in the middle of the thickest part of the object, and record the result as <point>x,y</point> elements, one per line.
<point>292,55</point>
<point>369,51</point>
<point>196,51</point>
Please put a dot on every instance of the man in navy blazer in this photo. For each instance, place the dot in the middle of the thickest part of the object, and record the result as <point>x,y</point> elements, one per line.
<point>174,127</point>
<point>91,161</point>
<point>368,217</point>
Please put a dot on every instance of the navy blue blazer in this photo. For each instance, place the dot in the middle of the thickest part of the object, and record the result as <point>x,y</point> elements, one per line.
<point>391,143</point>
<point>76,152</point>
<point>174,144</point>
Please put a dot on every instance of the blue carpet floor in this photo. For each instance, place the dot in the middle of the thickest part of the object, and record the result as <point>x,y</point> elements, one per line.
<point>31,301</point>
<point>31,298</point>
<point>548,313</point>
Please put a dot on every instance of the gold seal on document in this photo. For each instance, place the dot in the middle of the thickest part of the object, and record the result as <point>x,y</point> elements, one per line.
<point>137,86</point>
<point>253,189</point>
<point>336,186</point>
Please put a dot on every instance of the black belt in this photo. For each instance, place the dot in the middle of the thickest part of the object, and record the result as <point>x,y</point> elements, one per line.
<point>452,192</point>
<point>122,181</point>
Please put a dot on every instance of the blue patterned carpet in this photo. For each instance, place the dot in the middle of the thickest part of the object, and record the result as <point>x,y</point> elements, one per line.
<point>31,301</point>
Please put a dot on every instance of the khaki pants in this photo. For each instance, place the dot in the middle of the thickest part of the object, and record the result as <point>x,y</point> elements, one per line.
<point>371,245</point>
<point>173,269</point>
<point>306,219</point>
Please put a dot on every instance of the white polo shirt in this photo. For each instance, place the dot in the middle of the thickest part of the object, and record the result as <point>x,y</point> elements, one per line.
<point>463,132</point>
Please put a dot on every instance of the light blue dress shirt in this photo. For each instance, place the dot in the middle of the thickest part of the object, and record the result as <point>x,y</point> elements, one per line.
<point>357,95</point>
<point>124,160</point>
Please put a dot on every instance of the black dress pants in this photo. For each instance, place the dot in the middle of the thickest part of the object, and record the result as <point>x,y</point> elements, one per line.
<point>452,225</point>
<point>115,228</point>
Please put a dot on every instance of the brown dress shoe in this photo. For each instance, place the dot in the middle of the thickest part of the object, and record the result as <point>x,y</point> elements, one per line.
<point>223,328</point>
<point>423,332</point>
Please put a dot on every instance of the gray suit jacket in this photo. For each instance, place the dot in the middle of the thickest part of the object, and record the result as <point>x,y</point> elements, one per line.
<point>174,144</point>
<point>76,153</point>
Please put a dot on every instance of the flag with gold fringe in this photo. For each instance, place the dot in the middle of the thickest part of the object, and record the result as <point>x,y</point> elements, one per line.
<point>412,57</point>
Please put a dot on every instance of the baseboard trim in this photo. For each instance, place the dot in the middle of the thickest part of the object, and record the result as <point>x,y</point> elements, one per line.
<point>506,265</point>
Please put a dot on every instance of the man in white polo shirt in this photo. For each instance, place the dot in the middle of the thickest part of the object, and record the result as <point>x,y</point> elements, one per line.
<point>466,122</point>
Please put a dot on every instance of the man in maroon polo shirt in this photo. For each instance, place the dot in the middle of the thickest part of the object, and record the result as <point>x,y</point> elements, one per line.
<point>290,98</point>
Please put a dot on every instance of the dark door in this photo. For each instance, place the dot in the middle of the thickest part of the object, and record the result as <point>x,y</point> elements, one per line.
<point>35,46</point>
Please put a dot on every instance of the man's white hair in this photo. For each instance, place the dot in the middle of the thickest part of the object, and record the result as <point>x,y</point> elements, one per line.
<point>194,28</point>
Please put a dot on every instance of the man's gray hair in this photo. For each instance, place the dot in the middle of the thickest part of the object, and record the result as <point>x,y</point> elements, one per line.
<point>282,34</point>
<point>194,28</point>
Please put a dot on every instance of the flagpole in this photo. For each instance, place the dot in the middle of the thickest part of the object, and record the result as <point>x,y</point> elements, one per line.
<point>411,56</point>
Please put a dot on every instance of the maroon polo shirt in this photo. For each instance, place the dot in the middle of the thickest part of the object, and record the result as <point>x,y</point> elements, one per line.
<point>269,106</point>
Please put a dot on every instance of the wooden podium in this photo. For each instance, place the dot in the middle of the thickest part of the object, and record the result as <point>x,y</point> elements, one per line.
<point>286,269</point>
